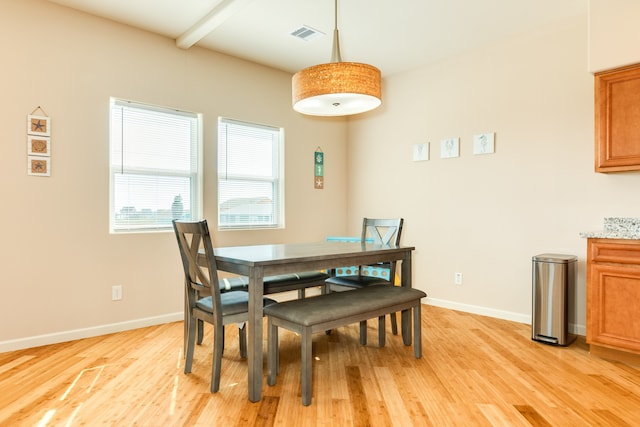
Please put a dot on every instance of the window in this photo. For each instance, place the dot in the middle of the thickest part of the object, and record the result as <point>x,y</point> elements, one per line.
<point>250,177</point>
<point>155,173</point>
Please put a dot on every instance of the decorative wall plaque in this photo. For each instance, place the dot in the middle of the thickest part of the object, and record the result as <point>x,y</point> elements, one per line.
<point>38,144</point>
<point>318,169</point>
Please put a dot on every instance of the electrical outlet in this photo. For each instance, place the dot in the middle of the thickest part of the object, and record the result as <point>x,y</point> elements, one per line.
<point>116,293</point>
<point>457,279</point>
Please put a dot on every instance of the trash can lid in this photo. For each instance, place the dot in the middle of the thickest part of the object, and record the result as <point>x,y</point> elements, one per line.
<point>555,258</point>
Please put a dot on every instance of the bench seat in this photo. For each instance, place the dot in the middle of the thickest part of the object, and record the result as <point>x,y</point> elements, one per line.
<point>328,311</point>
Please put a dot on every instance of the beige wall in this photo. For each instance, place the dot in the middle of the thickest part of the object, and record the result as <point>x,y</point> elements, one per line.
<point>58,259</point>
<point>614,34</point>
<point>486,216</point>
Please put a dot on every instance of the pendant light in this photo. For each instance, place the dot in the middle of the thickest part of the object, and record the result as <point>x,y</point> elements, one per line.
<point>336,88</point>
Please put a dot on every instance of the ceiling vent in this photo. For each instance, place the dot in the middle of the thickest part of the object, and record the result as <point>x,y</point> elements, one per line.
<point>307,33</point>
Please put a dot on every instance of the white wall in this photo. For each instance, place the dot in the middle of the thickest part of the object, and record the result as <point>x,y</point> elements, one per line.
<point>58,259</point>
<point>486,216</point>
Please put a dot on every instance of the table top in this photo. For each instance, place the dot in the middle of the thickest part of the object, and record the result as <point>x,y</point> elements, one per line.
<point>261,255</point>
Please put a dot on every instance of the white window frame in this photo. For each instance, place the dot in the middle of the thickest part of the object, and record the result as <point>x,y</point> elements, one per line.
<point>121,168</point>
<point>238,169</point>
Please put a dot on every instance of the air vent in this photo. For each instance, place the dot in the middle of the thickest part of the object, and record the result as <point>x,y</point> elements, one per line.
<point>307,33</point>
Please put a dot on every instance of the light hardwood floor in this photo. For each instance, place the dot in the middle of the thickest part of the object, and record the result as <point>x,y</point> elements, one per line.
<point>475,371</point>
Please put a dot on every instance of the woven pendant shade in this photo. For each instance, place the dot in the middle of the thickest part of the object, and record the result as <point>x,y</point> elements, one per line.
<point>336,89</point>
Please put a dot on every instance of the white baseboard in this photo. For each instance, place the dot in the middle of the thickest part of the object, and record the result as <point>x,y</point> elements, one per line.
<point>58,337</point>
<point>498,314</point>
<point>483,311</point>
<point>577,329</point>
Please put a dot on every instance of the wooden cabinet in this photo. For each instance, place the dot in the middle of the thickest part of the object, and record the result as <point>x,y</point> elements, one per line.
<point>617,119</point>
<point>613,298</point>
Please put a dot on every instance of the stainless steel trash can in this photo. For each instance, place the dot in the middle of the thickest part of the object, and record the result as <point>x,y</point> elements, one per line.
<point>553,275</point>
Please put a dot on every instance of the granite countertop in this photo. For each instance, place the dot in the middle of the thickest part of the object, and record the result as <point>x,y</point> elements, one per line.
<point>616,228</point>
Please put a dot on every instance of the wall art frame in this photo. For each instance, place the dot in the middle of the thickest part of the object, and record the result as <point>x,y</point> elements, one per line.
<point>450,148</point>
<point>38,145</point>
<point>38,166</point>
<point>38,125</point>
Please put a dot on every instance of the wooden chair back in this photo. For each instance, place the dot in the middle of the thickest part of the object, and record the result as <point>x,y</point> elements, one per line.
<point>198,261</point>
<point>383,232</point>
<point>379,231</point>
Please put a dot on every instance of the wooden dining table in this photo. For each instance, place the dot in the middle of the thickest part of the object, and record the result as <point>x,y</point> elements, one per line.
<point>259,261</point>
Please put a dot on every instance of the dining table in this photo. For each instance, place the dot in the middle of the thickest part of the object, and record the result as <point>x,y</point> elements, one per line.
<point>258,261</point>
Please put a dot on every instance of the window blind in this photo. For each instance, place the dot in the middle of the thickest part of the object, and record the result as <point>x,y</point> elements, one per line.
<point>249,175</point>
<point>155,166</point>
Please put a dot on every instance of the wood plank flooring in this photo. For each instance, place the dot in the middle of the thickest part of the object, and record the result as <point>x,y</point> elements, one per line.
<point>475,371</point>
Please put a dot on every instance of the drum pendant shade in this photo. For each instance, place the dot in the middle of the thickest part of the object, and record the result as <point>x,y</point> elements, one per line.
<point>336,88</point>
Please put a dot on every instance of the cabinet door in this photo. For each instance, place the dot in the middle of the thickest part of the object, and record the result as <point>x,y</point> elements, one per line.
<point>614,306</point>
<point>617,120</point>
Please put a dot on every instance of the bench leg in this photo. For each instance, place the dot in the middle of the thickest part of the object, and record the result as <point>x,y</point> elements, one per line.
<point>363,332</point>
<point>406,326</point>
<point>417,331</point>
<point>273,359</point>
<point>394,323</point>
<point>382,331</point>
<point>307,372</point>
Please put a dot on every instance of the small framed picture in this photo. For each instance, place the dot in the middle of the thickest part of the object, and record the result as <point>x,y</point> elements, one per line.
<point>38,166</point>
<point>38,125</point>
<point>483,143</point>
<point>421,152</point>
<point>38,145</point>
<point>450,148</point>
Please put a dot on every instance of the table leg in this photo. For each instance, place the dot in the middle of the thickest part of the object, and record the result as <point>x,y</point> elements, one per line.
<point>254,343</point>
<point>406,314</point>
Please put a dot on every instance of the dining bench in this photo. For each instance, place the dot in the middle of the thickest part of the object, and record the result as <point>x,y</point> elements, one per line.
<point>328,311</point>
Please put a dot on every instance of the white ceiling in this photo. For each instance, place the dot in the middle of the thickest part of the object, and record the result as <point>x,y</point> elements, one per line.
<point>394,35</point>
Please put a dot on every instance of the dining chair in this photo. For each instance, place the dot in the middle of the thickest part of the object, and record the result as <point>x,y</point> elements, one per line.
<point>377,231</point>
<point>203,299</point>
<point>272,285</point>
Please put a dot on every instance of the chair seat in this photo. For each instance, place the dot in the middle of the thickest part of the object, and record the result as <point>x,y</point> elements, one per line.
<point>278,283</point>
<point>233,302</point>
<point>356,281</point>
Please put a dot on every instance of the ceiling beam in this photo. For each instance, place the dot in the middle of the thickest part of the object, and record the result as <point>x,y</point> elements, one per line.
<point>218,15</point>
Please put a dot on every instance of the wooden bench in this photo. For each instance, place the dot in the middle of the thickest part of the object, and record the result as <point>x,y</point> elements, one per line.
<point>324,312</point>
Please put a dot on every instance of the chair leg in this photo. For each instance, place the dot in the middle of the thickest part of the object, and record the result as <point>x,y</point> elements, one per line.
<point>417,331</point>
<point>394,323</point>
<point>218,343</point>
<point>405,315</point>
<point>190,343</point>
<point>187,319</point>
<point>242,336</point>
<point>273,362</point>
<point>382,331</point>
<point>363,332</point>
<point>307,372</point>
<point>326,289</point>
<point>200,330</point>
